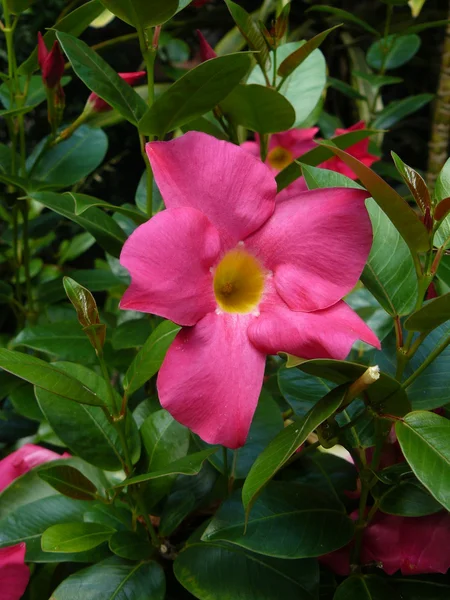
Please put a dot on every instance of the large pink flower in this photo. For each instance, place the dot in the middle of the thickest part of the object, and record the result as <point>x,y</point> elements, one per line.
<point>14,573</point>
<point>22,460</point>
<point>244,276</point>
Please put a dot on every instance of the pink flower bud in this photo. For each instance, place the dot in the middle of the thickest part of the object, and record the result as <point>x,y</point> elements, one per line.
<point>206,52</point>
<point>51,63</point>
<point>99,105</point>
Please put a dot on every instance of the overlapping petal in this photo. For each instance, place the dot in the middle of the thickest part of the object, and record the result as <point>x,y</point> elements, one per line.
<point>328,333</point>
<point>211,379</point>
<point>230,186</point>
<point>317,245</point>
<point>169,260</point>
<point>14,573</point>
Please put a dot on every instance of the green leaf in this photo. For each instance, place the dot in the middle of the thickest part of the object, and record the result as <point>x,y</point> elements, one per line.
<point>189,465</point>
<point>69,482</point>
<point>24,402</point>
<point>176,508</point>
<point>377,81</point>
<point>398,109</point>
<point>416,589</point>
<point>345,16</point>
<point>18,6</point>
<point>415,183</point>
<point>100,225</point>
<point>74,537</point>
<point>393,51</point>
<point>114,579</point>
<point>294,60</point>
<point>74,23</point>
<point>372,313</point>
<point>70,161</point>
<point>441,192</point>
<point>83,202</point>
<point>142,13</point>
<point>48,377</point>
<point>195,93</point>
<point>85,429</point>
<point>102,79</point>
<point>318,155</point>
<point>258,108</point>
<point>64,341</point>
<point>128,544</point>
<point>301,390</point>
<point>424,438</point>
<point>304,87</point>
<point>345,88</point>
<point>389,273</point>
<point>406,221</point>
<point>235,573</point>
<point>322,178</point>
<point>287,521</point>
<point>365,587</point>
<point>408,499</point>
<point>131,334</point>
<point>150,357</point>
<point>27,524</point>
<point>282,447</point>
<point>431,315</point>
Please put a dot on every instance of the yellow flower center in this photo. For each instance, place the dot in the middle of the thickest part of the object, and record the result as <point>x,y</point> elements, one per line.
<point>279,158</point>
<point>238,282</point>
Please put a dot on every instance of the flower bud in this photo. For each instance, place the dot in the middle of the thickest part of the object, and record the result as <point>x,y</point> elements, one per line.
<point>206,52</point>
<point>97,104</point>
<point>51,63</point>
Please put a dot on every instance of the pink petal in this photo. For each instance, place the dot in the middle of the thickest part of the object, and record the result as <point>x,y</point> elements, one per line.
<point>169,260</point>
<point>297,141</point>
<point>133,77</point>
<point>338,561</point>
<point>381,542</point>
<point>234,189</point>
<point>23,460</point>
<point>317,245</point>
<point>14,573</point>
<point>328,333</point>
<point>424,544</point>
<point>211,379</point>
<point>252,147</point>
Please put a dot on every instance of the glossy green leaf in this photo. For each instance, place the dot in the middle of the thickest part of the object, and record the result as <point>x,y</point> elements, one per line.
<point>365,587</point>
<point>344,15</point>
<point>258,108</point>
<point>415,183</point>
<point>74,537</point>
<point>114,579</point>
<point>188,465</point>
<point>377,81</point>
<point>100,225</point>
<point>69,481</point>
<point>251,32</point>
<point>18,6</point>
<point>150,357</point>
<point>176,508</point>
<point>345,88</point>
<point>302,390</point>
<point>431,315</point>
<point>294,60</point>
<point>27,524</point>
<point>116,517</point>
<point>74,23</point>
<point>287,521</point>
<point>128,544</point>
<point>221,571</point>
<point>406,221</point>
<point>322,178</point>
<point>372,313</point>
<point>70,161</point>
<point>195,93</point>
<point>24,402</point>
<point>393,51</point>
<point>442,191</point>
<point>131,334</point>
<point>64,341</point>
<point>304,87</point>
<point>85,429</point>
<point>389,273</point>
<point>48,377</point>
<point>424,438</point>
<point>83,202</point>
<point>282,447</point>
<point>102,79</point>
<point>408,499</point>
<point>399,109</point>
<point>142,13</point>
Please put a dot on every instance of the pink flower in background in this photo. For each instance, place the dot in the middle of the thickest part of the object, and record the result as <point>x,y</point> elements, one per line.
<point>51,62</point>
<point>206,52</point>
<point>14,573</point>
<point>22,460</point>
<point>244,276</point>
<point>99,105</point>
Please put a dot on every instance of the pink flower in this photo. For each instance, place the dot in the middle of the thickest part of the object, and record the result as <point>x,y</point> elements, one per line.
<point>14,573</point>
<point>51,62</point>
<point>200,3</point>
<point>206,52</point>
<point>245,277</point>
<point>99,105</point>
<point>413,545</point>
<point>22,460</point>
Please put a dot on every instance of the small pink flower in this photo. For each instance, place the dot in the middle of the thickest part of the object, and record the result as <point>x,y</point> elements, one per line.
<point>206,52</point>
<point>14,573</point>
<point>23,460</point>
<point>51,62</point>
<point>244,276</point>
<point>99,105</point>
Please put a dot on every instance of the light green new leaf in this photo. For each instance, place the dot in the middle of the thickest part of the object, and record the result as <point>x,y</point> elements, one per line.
<point>142,13</point>
<point>75,537</point>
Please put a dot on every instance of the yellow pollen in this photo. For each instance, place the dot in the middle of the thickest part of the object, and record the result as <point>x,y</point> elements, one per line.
<point>238,282</point>
<point>279,158</point>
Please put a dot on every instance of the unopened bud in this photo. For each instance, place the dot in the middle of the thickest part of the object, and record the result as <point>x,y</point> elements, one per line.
<point>51,63</point>
<point>206,52</point>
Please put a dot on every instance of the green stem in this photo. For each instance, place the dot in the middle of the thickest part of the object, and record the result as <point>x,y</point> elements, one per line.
<point>141,505</point>
<point>26,255</point>
<point>113,41</point>
<point>115,409</point>
<point>263,145</point>
<point>225,461</point>
<point>232,474</point>
<point>274,76</point>
<point>430,358</point>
